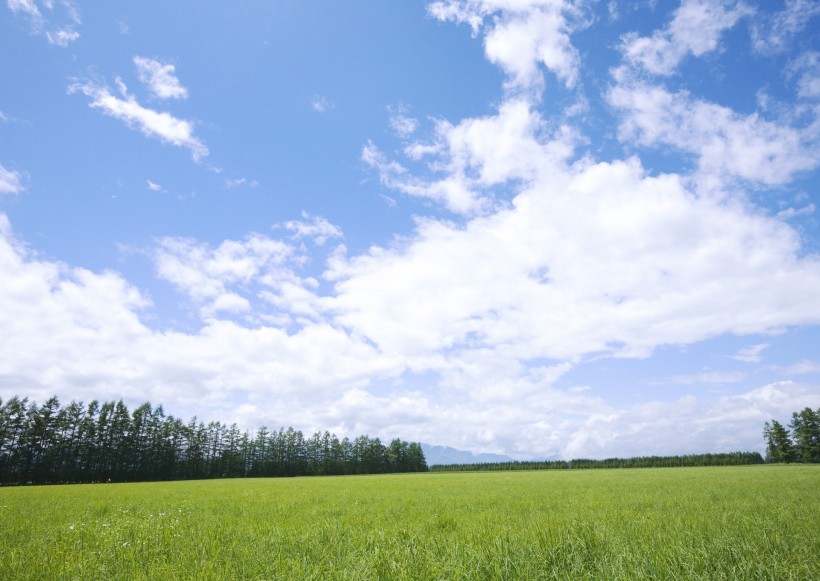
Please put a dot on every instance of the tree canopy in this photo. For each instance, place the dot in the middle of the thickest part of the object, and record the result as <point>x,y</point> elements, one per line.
<point>801,445</point>
<point>50,443</point>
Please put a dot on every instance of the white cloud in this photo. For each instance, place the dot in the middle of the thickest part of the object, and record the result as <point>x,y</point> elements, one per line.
<point>789,213</point>
<point>237,182</point>
<point>62,36</point>
<point>695,29</point>
<point>776,34</point>
<point>155,187</point>
<point>807,69</point>
<point>803,367</point>
<point>314,227</point>
<point>59,35</point>
<point>726,143</point>
<point>151,123</point>
<point>522,35</point>
<point>213,278</point>
<point>321,104</point>
<point>689,424</point>
<point>11,181</point>
<point>79,334</point>
<point>751,354</point>
<point>521,42</point>
<point>612,9</point>
<point>257,279</point>
<point>472,158</point>
<point>604,259</point>
<point>719,377</point>
<point>402,124</point>
<point>24,6</point>
<point>160,78</point>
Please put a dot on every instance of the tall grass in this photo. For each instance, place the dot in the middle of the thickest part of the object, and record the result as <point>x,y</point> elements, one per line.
<point>760,522</point>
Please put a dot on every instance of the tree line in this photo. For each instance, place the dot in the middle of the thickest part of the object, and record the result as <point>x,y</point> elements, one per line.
<point>106,442</point>
<point>722,459</point>
<point>802,444</point>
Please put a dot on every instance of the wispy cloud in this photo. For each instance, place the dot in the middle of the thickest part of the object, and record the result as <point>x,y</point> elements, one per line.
<point>695,29</point>
<point>321,104</point>
<point>155,187</point>
<point>728,145</point>
<point>751,354</point>
<point>155,124</point>
<point>239,182</point>
<point>160,78</point>
<point>789,213</point>
<point>717,377</point>
<point>60,34</point>
<point>316,228</point>
<point>402,124</point>
<point>803,367</point>
<point>776,33</point>
<point>11,181</point>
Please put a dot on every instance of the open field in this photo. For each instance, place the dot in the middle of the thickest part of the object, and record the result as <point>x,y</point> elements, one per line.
<point>756,522</point>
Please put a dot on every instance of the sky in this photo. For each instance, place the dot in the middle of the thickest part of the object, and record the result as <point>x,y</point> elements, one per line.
<point>542,228</point>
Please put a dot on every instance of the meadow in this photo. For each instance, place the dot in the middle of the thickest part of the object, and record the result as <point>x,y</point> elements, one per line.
<point>749,522</point>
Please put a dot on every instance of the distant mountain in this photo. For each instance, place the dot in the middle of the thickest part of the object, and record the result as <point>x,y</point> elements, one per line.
<point>447,455</point>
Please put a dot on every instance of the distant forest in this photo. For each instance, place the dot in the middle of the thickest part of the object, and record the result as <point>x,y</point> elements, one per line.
<point>49,443</point>
<point>727,459</point>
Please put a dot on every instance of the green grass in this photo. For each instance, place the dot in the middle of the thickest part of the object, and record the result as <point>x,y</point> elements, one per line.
<point>756,522</point>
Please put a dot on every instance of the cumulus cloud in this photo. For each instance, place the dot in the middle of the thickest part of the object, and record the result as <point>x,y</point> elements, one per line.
<point>522,36</point>
<point>690,423</point>
<point>216,278</point>
<point>11,181</point>
<point>68,326</point>
<point>155,124</point>
<point>601,259</point>
<point>160,78</point>
<point>466,162</point>
<point>696,28</point>
<point>726,144</point>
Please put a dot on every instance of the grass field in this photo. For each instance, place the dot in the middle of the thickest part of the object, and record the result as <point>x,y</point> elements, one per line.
<point>756,522</point>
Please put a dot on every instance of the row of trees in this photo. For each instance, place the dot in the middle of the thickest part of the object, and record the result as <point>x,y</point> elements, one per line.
<point>50,443</point>
<point>801,445</point>
<point>728,459</point>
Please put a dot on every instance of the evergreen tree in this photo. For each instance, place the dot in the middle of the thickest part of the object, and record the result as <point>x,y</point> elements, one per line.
<point>805,427</point>
<point>778,443</point>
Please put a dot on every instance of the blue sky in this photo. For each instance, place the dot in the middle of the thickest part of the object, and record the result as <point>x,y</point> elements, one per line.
<point>545,228</point>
